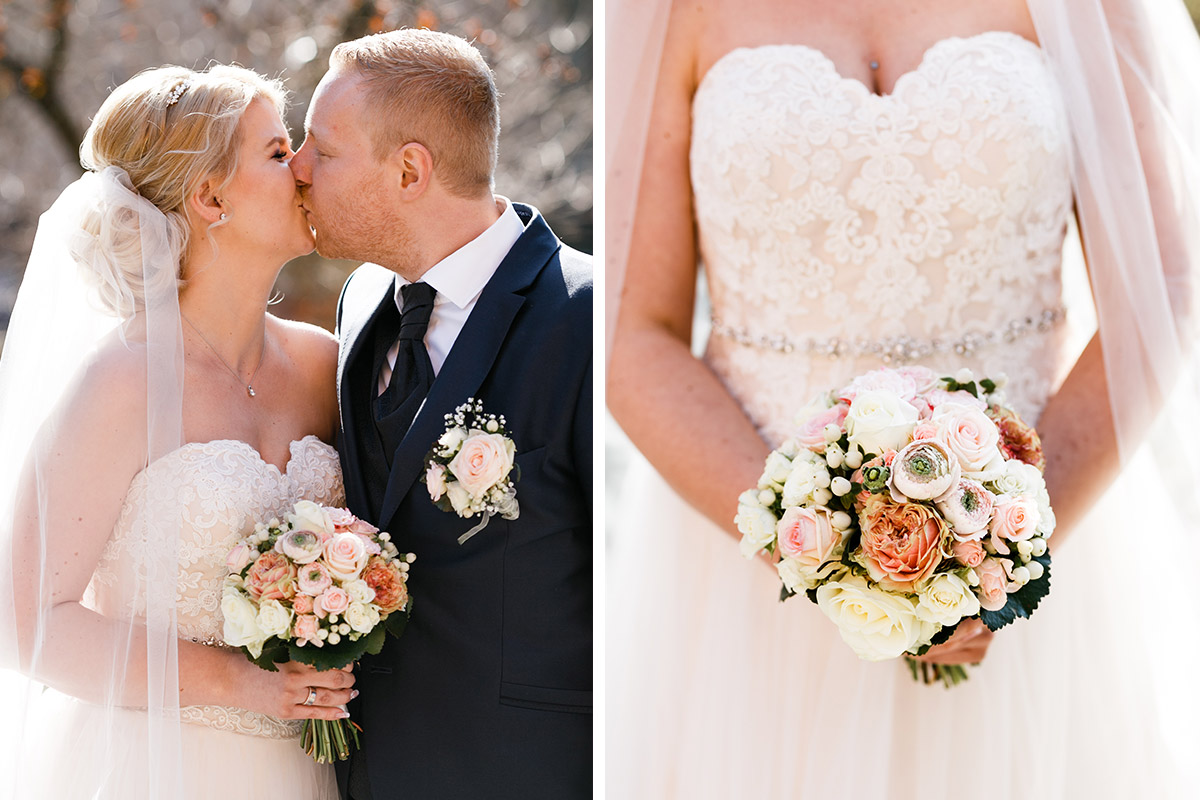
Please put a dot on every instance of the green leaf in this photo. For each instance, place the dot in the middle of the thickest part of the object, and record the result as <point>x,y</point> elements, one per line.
<point>375,639</point>
<point>785,593</point>
<point>988,385</point>
<point>812,595</point>
<point>274,652</point>
<point>397,621</point>
<point>995,620</point>
<point>1030,595</point>
<point>329,656</point>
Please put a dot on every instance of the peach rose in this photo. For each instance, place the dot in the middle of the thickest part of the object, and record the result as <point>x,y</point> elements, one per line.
<point>239,557</point>
<point>970,553</point>
<point>483,461</point>
<point>972,438</point>
<point>1017,440</point>
<point>1014,519</point>
<point>345,555</point>
<point>992,582</point>
<point>806,535</point>
<point>335,600</point>
<point>925,429</point>
<point>271,577</point>
<point>305,628</point>
<point>812,431</point>
<point>903,542</point>
<point>302,604</point>
<point>385,578</point>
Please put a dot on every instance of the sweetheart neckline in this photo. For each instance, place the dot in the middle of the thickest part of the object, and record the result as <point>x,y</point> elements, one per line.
<point>286,470</point>
<point>887,96</point>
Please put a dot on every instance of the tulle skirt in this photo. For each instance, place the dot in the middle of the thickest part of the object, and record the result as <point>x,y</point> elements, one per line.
<point>73,750</point>
<point>717,690</point>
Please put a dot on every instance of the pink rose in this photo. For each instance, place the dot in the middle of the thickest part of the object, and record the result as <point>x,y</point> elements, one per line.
<point>971,437</point>
<point>923,378</point>
<point>373,548</point>
<point>1015,519</point>
<point>887,380</point>
<point>969,554</point>
<point>345,555</point>
<point>902,542</point>
<point>361,526</point>
<point>812,431</point>
<point>435,479</point>
<point>305,628</point>
<point>341,518</point>
<point>239,557</point>
<point>271,577</point>
<point>992,583</point>
<point>313,579</point>
<point>335,600</point>
<point>484,460</point>
<point>807,536</point>
<point>925,430</point>
<point>302,604</point>
<point>938,397</point>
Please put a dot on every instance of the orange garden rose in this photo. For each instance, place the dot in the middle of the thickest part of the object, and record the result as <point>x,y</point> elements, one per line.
<point>391,593</point>
<point>271,577</point>
<point>903,542</point>
<point>1017,440</point>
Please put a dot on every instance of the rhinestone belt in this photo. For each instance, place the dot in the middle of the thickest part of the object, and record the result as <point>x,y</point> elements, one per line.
<point>894,348</point>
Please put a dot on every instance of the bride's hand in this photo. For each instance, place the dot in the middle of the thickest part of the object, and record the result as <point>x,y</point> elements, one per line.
<point>283,694</point>
<point>968,645</point>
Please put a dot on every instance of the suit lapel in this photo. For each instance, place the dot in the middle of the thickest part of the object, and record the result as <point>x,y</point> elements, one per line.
<point>474,351</point>
<point>371,289</point>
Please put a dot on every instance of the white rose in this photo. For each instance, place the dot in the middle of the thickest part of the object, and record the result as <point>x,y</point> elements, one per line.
<point>460,498</point>
<point>273,619</point>
<point>776,470</point>
<point>451,439</point>
<point>362,617</point>
<point>875,624</point>
<point>359,591</point>
<point>757,526</point>
<point>240,622</point>
<point>878,421</point>
<point>1019,478</point>
<point>945,599</point>
<point>805,479</point>
<point>308,516</point>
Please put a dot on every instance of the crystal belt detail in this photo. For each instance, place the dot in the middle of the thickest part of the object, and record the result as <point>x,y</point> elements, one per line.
<point>894,348</point>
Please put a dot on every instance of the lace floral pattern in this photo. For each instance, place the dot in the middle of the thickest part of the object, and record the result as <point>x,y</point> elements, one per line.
<point>209,494</point>
<point>934,212</point>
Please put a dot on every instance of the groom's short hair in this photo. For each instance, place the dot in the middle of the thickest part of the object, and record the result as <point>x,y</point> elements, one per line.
<point>432,88</point>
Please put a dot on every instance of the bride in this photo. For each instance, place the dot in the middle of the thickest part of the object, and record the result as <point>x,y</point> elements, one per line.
<point>868,185</point>
<point>151,412</point>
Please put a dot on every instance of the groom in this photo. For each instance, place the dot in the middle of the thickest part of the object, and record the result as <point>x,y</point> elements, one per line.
<point>466,295</point>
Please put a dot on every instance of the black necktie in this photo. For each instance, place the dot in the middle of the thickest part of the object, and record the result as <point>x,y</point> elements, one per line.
<point>413,374</point>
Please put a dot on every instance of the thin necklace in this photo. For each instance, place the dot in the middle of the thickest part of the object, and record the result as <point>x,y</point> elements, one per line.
<point>234,372</point>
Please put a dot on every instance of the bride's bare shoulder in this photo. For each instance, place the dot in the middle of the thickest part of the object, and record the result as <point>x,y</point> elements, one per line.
<point>310,347</point>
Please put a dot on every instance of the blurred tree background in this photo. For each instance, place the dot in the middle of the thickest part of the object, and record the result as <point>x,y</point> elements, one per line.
<point>59,59</point>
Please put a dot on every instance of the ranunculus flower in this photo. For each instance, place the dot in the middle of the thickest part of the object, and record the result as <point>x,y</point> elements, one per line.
<point>362,617</point>
<point>879,421</point>
<point>812,431</point>
<point>271,577</point>
<point>877,625</point>
<point>484,460</point>
<point>1017,440</point>
<point>1014,519</point>
<point>308,516</point>
<point>274,619</point>
<point>435,479</point>
<point>972,438</point>
<point>902,542</point>
<point>313,579</point>
<point>240,619</point>
<point>385,578</point>
<point>923,470</point>
<point>969,553</point>
<point>305,629</point>
<point>967,508</point>
<point>333,601</point>
<point>945,599</point>
<point>807,536</point>
<point>301,546</point>
<point>239,557</point>
<point>345,556</point>
<point>992,584</point>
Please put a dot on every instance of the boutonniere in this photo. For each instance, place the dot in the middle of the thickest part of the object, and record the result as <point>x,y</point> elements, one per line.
<point>471,469</point>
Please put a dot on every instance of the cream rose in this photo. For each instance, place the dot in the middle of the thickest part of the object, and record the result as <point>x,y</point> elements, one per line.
<point>876,625</point>
<point>805,479</point>
<point>973,439</point>
<point>879,420</point>
<point>362,617</point>
<point>345,556</point>
<point>776,469</point>
<point>484,460</point>
<point>945,599</point>
<point>460,498</point>
<point>451,439</point>
<point>756,524</point>
<point>359,591</point>
<point>241,622</point>
<point>308,516</point>
<point>273,618</point>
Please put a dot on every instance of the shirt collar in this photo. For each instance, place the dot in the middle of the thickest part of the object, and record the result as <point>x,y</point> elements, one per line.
<point>460,277</point>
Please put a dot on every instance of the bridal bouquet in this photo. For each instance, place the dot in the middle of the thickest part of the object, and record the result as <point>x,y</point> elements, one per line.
<point>322,587</point>
<point>904,504</point>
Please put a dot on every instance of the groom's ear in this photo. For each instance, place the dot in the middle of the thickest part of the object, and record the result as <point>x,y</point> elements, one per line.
<point>413,167</point>
<point>203,203</point>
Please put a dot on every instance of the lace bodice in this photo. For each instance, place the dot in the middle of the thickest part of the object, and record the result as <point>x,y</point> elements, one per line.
<point>840,228</point>
<point>213,493</point>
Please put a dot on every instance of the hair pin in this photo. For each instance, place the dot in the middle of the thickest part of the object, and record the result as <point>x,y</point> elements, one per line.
<point>177,91</point>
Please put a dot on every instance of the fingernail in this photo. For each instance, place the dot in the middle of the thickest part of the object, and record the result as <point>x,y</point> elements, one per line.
<point>353,693</point>
<point>344,715</point>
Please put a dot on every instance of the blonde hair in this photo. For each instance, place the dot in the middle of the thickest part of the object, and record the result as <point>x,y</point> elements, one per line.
<point>169,129</point>
<point>432,88</point>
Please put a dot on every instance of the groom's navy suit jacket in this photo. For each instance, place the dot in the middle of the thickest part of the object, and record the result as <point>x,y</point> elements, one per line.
<point>488,692</point>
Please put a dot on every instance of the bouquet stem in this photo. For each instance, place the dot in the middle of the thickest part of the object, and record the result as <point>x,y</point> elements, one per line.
<point>329,740</point>
<point>949,674</point>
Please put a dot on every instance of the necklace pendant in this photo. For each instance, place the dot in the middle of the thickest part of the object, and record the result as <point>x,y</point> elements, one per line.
<point>249,390</point>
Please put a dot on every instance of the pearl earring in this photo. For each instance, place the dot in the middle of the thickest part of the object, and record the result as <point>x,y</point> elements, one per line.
<point>224,216</point>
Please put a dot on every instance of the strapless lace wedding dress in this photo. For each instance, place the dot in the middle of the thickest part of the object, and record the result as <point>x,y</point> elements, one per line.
<point>216,491</point>
<point>841,231</point>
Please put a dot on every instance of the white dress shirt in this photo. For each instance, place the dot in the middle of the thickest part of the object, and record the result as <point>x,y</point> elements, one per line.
<point>458,279</point>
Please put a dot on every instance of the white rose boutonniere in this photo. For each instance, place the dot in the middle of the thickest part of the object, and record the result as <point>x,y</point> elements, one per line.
<point>471,469</point>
